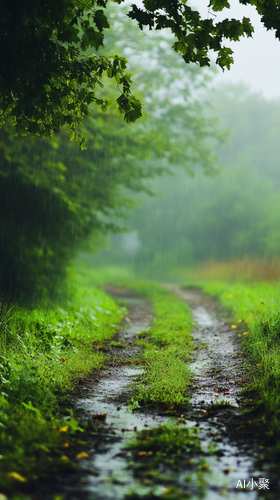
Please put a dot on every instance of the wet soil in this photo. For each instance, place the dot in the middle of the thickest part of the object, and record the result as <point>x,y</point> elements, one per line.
<point>216,401</point>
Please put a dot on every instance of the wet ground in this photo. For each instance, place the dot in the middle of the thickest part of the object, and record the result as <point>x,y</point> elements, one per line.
<point>215,410</point>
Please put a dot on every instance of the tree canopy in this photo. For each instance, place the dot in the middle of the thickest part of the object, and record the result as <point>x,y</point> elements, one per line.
<point>47,79</point>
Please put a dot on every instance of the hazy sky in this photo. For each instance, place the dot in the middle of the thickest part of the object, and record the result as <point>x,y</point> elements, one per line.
<point>257,60</point>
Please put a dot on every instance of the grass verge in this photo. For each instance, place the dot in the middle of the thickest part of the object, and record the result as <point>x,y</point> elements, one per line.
<point>43,354</point>
<point>167,347</point>
<point>259,306</point>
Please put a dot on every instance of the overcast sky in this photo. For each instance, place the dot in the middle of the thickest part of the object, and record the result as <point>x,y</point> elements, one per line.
<point>257,60</point>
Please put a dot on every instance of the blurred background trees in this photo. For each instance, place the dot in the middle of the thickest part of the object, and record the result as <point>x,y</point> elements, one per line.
<point>56,198</point>
<point>232,215</point>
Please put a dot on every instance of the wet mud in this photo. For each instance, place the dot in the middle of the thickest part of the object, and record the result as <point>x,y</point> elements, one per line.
<point>216,401</point>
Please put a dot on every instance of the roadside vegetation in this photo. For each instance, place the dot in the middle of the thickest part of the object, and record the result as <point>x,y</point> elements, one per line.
<point>44,353</point>
<point>257,304</point>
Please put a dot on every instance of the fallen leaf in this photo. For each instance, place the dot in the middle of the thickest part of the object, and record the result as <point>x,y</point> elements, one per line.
<point>234,356</point>
<point>269,433</point>
<point>243,381</point>
<point>64,359</point>
<point>258,364</point>
<point>144,453</point>
<point>3,497</point>
<point>245,333</point>
<point>17,476</point>
<point>101,416</point>
<point>205,467</point>
<point>63,429</point>
<point>66,445</point>
<point>233,326</point>
<point>228,469</point>
<point>64,457</point>
<point>83,454</point>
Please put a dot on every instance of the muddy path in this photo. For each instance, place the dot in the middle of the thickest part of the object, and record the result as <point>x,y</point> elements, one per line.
<point>112,472</point>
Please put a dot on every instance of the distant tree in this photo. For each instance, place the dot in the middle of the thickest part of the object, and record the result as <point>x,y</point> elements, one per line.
<point>47,80</point>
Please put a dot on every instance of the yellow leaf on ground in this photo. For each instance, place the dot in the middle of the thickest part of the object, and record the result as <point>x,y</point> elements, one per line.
<point>228,469</point>
<point>63,429</point>
<point>17,476</point>
<point>82,455</point>
<point>3,497</point>
<point>64,457</point>
<point>233,326</point>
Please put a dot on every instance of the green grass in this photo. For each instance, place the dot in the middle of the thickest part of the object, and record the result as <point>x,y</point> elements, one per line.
<point>162,453</point>
<point>167,444</point>
<point>43,354</point>
<point>259,306</point>
<point>167,348</point>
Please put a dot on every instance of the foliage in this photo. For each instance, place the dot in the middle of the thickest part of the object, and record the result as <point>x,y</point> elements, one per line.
<point>44,353</point>
<point>47,80</point>
<point>175,100</point>
<point>167,347</point>
<point>54,196</point>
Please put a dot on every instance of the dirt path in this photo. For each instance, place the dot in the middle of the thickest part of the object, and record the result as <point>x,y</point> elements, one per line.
<point>218,368</point>
<point>218,371</point>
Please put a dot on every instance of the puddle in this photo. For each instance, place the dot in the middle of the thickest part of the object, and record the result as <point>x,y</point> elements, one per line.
<point>213,368</point>
<point>112,478</point>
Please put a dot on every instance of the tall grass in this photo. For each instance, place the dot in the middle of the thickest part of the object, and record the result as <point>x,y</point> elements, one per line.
<point>43,354</point>
<point>245,270</point>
